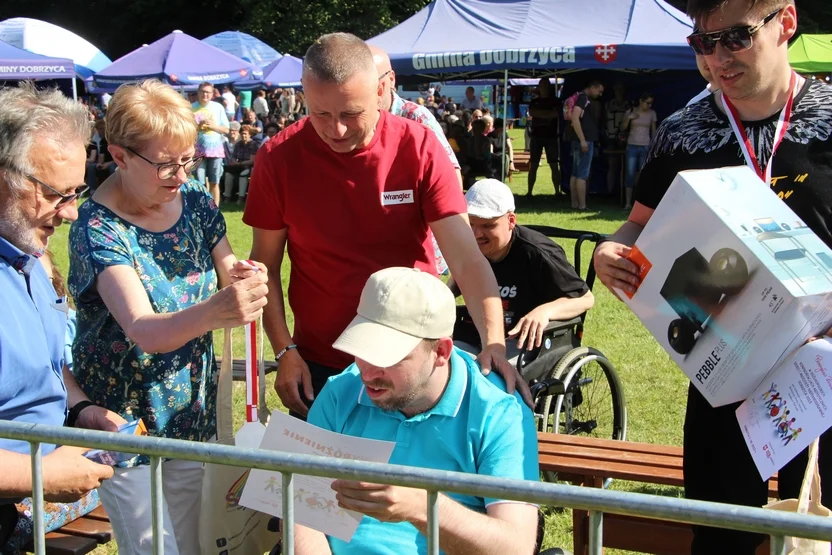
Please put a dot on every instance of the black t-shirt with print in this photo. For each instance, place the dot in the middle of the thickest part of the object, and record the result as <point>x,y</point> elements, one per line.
<point>535,271</point>
<point>546,128</point>
<point>699,136</point>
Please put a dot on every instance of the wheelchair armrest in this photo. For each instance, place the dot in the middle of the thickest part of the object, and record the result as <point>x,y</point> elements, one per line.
<point>552,386</point>
<point>556,325</point>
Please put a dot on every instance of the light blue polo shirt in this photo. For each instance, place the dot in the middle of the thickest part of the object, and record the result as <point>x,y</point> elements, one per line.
<point>476,427</point>
<point>32,331</point>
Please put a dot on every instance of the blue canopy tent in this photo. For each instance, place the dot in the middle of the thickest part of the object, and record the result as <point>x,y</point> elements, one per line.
<point>179,60</point>
<point>480,39</point>
<point>472,39</point>
<point>243,45</point>
<point>286,72</point>
<point>50,40</point>
<point>16,64</point>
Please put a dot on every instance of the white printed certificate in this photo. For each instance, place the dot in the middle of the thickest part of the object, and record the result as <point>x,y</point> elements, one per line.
<point>790,409</point>
<point>315,503</point>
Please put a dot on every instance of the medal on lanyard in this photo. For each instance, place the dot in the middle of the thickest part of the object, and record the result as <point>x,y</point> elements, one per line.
<point>745,143</point>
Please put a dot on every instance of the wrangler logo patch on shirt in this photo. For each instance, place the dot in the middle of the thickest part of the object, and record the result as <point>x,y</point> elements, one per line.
<point>396,197</point>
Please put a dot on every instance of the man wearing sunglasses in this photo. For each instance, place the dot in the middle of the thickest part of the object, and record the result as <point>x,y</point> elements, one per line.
<point>744,46</point>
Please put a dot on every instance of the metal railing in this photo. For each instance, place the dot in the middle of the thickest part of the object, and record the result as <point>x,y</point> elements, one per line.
<point>776,524</point>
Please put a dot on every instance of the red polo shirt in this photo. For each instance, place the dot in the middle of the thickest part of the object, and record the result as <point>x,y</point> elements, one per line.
<point>348,216</point>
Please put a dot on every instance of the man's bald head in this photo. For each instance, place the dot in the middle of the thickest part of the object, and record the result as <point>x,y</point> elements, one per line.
<point>386,75</point>
<point>381,59</point>
<point>336,58</point>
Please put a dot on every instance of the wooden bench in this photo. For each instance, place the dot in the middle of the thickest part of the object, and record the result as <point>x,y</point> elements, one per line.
<point>79,536</point>
<point>587,461</point>
<point>521,160</point>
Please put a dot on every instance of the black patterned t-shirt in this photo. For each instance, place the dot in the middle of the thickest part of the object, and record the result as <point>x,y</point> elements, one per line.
<point>699,136</point>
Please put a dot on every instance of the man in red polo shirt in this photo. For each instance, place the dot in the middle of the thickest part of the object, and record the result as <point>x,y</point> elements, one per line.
<point>351,190</point>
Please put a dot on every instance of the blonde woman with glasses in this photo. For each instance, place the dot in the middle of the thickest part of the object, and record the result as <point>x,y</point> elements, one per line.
<point>152,274</point>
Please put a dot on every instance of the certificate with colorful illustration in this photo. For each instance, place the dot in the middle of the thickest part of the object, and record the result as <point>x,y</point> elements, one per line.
<point>315,503</point>
<point>790,409</point>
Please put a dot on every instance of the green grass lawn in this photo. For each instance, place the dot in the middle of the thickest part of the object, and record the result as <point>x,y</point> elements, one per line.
<point>654,387</point>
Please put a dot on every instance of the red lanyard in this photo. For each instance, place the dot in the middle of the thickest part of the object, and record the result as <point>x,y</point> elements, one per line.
<point>742,137</point>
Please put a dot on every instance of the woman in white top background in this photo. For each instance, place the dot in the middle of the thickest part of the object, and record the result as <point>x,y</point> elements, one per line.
<point>640,123</point>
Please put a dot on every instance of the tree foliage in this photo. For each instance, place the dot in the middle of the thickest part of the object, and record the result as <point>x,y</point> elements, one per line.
<point>292,26</point>
<point>119,26</point>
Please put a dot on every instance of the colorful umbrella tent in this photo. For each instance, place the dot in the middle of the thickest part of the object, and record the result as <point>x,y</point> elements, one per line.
<point>50,40</point>
<point>811,54</point>
<point>242,45</point>
<point>179,60</point>
<point>16,63</point>
<point>473,39</point>
<point>285,72</point>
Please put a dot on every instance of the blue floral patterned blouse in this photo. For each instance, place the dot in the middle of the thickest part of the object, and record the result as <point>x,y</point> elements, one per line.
<point>174,393</point>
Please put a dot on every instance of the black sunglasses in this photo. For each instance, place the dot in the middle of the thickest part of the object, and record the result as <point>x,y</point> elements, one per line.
<point>167,170</point>
<point>734,39</point>
<point>64,198</point>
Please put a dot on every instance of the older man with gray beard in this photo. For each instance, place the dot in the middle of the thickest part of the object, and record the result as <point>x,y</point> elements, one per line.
<point>42,161</point>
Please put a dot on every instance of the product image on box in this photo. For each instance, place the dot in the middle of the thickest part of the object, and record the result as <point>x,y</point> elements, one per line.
<point>697,290</point>
<point>792,256</point>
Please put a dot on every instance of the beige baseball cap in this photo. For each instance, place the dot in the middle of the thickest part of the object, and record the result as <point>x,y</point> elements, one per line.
<point>399,307</point>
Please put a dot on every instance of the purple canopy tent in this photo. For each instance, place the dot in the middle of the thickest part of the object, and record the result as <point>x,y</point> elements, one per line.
<point>284,72</point>
<point>16,63</point>
<point>179,60</point>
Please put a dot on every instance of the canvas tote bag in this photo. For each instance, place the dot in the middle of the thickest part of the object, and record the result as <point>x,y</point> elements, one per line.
<point>227,528</point>
<point>807,503</point>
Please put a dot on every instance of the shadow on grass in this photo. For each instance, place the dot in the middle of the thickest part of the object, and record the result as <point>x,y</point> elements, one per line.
<point>601,207</point>
<point>232,207</point>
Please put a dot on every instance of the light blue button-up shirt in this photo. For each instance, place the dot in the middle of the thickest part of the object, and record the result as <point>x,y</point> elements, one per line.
<point>32,331</point>
<point>476,427</point>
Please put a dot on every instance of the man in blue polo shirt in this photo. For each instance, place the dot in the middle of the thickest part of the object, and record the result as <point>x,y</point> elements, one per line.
<point>42,163</point>
<point>411,386</point>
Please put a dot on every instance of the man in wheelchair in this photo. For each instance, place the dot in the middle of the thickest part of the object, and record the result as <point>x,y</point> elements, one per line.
<point>536,281</point>
<point>411,386</point>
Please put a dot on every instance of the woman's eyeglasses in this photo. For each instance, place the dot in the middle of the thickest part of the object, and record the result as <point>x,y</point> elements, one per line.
<point>167,170</point>
<point>734,39</point>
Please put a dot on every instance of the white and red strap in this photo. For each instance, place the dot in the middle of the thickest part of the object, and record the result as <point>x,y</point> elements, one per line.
<point>745,143</point>
<point>253,361</point>
<point>252,371</point>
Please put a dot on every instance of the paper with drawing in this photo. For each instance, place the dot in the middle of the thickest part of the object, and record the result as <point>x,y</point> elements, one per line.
<point>315,504</point>
<point>790,408</point>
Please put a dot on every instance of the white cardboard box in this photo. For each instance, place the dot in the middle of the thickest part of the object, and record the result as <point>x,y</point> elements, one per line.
<point>732,280</point>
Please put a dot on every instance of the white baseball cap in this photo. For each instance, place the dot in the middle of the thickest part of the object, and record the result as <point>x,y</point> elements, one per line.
<point>399,307</point>
<point>489,198</point>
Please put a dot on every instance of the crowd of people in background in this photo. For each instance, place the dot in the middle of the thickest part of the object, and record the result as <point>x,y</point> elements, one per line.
<point>246,120</point>
<point>483,149</point>
<point>233,125</point>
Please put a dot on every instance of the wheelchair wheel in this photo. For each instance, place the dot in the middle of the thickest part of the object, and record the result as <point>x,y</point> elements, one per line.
<point>593,404</point>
